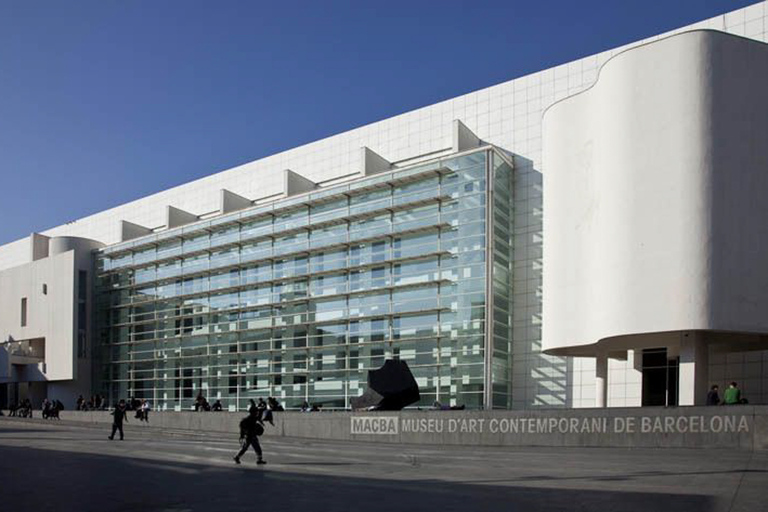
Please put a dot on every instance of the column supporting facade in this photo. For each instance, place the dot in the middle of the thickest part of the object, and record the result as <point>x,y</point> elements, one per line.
<point>601,380</point>
<point>693,382</point>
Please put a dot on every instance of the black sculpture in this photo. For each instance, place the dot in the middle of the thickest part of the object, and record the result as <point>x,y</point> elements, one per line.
<point>390,388</point>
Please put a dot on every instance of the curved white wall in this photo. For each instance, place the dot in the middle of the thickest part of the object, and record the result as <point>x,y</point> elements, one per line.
<point>656,196</point>
<point>61,244</point>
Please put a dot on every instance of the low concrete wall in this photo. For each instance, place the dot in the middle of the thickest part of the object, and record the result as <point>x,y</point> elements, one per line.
<point>737,427</point>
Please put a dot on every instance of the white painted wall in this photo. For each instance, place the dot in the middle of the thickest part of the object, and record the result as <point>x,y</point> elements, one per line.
<point>655,207</point>
<point>50,286</point>
<point>655,200</point>
<point>49,316</point>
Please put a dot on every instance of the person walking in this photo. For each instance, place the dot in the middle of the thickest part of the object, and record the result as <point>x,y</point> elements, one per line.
<point>119,415</point>
<point>250,430</point>
<point>732,395</point>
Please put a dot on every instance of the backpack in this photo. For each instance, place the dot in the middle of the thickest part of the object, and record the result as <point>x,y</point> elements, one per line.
<point>246,427</point>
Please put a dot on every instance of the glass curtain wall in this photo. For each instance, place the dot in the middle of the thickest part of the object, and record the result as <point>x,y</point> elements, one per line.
<point>500,334</point>
<point>300,298</point>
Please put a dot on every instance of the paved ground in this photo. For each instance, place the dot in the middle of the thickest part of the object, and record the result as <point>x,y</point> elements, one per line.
<point>67,467</point>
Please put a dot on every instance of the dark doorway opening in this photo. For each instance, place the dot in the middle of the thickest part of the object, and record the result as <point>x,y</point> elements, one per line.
<point>660,378</point>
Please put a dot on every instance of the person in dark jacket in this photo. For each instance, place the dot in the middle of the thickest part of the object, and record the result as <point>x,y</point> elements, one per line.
<point>119,415</point>
<point>274,404</point>
<point>250,430</point>
<point>713,397</point>
<point>57,408</point>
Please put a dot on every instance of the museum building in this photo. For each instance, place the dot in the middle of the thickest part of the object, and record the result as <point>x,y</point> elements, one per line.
<point>593,234</point>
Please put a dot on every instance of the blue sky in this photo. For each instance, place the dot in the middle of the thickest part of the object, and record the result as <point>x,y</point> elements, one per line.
<point>103,102</point>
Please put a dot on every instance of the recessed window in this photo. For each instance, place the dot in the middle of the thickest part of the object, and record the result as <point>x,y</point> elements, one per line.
<point>24,312</point>
<point>82,285</point>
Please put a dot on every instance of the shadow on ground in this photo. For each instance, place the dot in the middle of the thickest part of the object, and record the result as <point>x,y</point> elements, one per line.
<point>98,483</point>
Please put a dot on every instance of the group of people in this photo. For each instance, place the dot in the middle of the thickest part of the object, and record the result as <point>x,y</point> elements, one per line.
<point>305,407</point>
<point>142,408</point>
<point>51,409</point>
<point>251,427</point>
<point>731,396</point>
<point>96,403</point>
<point>22,410</point>
<point>201,404</point>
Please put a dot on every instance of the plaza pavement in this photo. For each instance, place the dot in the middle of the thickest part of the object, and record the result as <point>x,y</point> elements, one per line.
<point>50,466</point>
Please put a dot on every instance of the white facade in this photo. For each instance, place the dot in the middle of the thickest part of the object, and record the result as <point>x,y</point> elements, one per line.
<point>508,115</point>
<point>655,205</point>
<point>44,349</point>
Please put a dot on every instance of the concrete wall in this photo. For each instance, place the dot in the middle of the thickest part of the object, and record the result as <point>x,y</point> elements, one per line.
<point>737,427</point>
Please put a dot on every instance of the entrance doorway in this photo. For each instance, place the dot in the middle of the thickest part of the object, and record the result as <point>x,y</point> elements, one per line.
<point>660,378</point>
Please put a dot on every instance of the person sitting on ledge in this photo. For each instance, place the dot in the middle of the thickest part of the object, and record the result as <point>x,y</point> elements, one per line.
<point>274,404</point>
<point>216,406</point>
<point>440,407</point>
<point>26,409</point>
<point>201,404</point>
<point>56,409</point>
<point>732,395</point>
<point>713,398</point>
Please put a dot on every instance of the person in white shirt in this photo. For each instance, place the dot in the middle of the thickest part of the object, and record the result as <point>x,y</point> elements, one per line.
<point>145,408</point>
